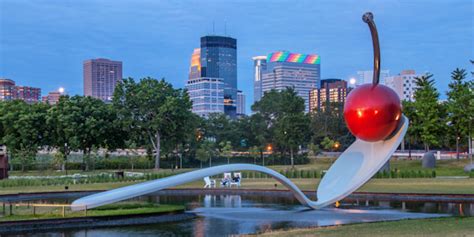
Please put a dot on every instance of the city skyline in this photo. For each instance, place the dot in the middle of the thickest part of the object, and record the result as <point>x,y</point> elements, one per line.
<point>45,34</point>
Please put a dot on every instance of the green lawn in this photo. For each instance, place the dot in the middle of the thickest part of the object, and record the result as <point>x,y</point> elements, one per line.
<point>451,226</point>
<point>425,185</point>
<point>443,167</point>
<point>126,208</point>
<point>437,185</point>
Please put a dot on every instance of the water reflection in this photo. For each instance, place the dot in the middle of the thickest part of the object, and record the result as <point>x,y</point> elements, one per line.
<point>221,215</point>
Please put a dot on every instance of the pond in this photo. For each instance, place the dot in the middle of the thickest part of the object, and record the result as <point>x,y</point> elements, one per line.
<point>221,215</point>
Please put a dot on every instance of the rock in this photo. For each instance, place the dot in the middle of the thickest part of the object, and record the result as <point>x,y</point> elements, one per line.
<point>468,168</point>
<point>429,160</point>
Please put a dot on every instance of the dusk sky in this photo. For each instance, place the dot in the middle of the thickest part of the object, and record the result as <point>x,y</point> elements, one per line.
<point>43,43</point>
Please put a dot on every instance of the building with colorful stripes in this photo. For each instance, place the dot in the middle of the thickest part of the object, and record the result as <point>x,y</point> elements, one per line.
<point>285,69</point>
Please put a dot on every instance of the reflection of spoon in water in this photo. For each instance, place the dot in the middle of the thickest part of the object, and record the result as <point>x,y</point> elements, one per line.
<point>356,165</point>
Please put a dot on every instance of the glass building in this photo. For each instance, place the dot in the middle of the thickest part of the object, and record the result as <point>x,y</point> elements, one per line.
<point>100,78</point>
<point>28,94</point>
<point>219,60</point>
<point>331,91</point>
<point>207,95</point>
<point>285,69</point>
<point>7,89</point>
<point>259,65</point>
<point>240,104</point>
<point>404,84</point>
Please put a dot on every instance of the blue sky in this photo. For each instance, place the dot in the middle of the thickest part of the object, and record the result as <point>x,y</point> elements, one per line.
<point>43,43</point>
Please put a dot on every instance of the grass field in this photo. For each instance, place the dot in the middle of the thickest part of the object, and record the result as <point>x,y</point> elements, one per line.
<point>451,226</point>
<point>406,185</point>
<point>438,185</point>
<point>127,208</point>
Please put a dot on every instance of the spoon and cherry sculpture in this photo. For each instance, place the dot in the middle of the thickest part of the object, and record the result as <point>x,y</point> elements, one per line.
<point>372,113</point>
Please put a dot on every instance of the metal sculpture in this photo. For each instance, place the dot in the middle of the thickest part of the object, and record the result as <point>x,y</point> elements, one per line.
<point>372,113</point>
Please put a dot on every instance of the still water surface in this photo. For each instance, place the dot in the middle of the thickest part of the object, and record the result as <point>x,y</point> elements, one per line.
<point>222,215</point>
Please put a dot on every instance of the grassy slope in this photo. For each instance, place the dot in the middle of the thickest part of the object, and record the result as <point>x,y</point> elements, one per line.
<point>25,213</point>
<point>452,226</point>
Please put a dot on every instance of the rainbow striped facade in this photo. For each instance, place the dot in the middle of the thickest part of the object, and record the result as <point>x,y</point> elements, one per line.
<point>284,56</point>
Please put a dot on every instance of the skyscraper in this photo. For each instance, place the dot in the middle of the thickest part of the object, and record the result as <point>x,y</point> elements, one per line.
<point>285,69</point>
<point>365,77</point>
<point>100,78</point>
<point>219,60</point>
<point>240,103</point>
<point>195,68</point>
<point>331,91</point>
<point>259,65</point>
<point>207,95</point>
<point>404,84</point>
<point>7,89</point>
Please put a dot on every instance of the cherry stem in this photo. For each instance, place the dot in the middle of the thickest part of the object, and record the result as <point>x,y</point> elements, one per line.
<point>368,18</point>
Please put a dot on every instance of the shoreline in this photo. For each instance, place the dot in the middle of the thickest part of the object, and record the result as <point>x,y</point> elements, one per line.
<point>93,222</point>
<point>362,196</point>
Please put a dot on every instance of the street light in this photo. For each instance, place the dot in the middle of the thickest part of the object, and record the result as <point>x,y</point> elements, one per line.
<point>352,81</point>
<point>269,148</point>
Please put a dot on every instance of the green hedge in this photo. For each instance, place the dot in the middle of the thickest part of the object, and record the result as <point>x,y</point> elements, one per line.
<point>397,174</point>
<point>45,162</point>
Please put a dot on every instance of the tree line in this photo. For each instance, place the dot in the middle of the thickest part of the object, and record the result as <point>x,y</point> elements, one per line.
<point>151,114</point>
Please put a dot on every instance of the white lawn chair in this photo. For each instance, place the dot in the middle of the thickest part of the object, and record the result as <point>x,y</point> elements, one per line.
<point>236,183</point>
<point>210,183</point>
<point>228,177</point>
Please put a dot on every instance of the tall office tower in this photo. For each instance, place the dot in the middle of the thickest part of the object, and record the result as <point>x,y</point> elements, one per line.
<point>100,78</point>
<point>219,60</point>
<point>259,65</point>
<point>365,77</point>
<point>285,69</point>
<point>331,91</point>
<point>28,94</point>
<point>195,68</point>
<point>207,95</point>
<point>404,84</point>
<point>240,103</point>
<point>7,89</point>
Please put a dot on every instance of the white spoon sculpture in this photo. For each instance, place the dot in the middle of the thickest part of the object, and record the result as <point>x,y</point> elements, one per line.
<point>356,165</point>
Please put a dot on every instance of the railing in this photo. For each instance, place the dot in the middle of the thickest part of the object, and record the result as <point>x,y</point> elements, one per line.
<point>8,207</point>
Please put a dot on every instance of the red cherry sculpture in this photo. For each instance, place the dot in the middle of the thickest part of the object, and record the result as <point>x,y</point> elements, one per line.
<point>372,112</point>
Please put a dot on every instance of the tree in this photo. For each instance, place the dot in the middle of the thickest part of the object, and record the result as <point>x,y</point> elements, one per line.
<point>76,124</point>
<point>428,111</point>
<point>259,135</point>
<point>226,150</point>
<point>153,111</point>
<point>255,153</point>
<point>328,143</point>
<point>330,123</point>
<point>285,121</point>
<point>413,129</point>
<point>23,129</point>
<point>459,107</point>
<point>292,131</point>
<point>205,152</point>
